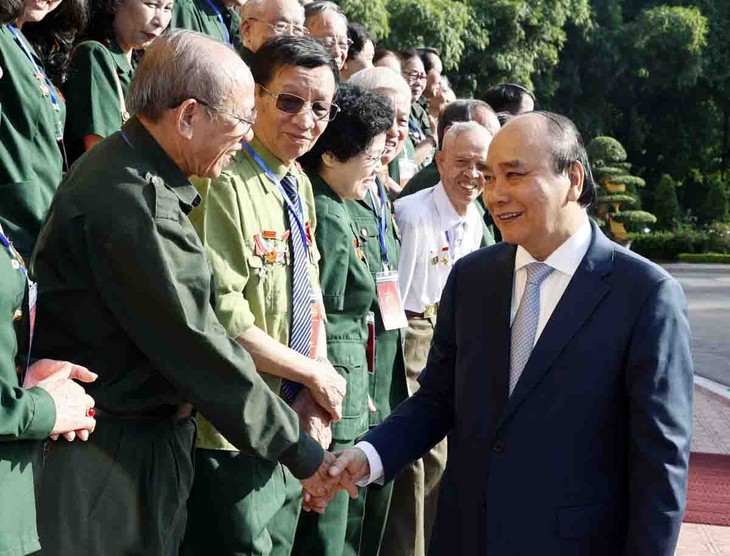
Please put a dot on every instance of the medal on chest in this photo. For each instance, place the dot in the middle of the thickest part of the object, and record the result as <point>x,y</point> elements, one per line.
<point>272,247</point>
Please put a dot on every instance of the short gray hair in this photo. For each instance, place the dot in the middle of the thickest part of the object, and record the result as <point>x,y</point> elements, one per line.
<point>380,78</point>
<point>181,65</point>
<point>459,128</point>
<point>315,8</point>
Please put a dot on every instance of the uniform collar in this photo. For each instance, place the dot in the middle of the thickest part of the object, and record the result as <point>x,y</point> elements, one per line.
<point>565,258</point>
<point>120,60</point>
<point>448,216</point>
<point>275,165</point>
<point>141,140</point>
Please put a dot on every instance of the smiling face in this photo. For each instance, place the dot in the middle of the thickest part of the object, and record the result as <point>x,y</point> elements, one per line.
<point>330,28</point>
<point>532,205</point>
<point>395,136</point>
<point>461,164</point>
<point>289,136</point>
<point>35,10</point>
<point>138,22</point>
<point>260,22</point>
<point>413,72</point>
<point>352,178</point>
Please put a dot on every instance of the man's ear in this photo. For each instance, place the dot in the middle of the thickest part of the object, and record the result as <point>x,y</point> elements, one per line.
<point>187,114</point>
<point>576,175</point>
<point>439,158</point>
<point>245,31</point>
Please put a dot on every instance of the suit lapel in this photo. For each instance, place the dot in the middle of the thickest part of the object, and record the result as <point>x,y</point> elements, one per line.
<point>583,294</point>
<point>496,331</point>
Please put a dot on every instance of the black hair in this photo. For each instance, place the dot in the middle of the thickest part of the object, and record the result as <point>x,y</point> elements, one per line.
<point>363,115</point>
<point>102,13</point>
<point>460,110</point>
<point>53,37</point>
<point>290,51</point>
<point>359,35</point>
<point>9,10</point>
<point>407,54</point>
<point>567,148</point>
<point>507,97</point>
<point>427,53</point>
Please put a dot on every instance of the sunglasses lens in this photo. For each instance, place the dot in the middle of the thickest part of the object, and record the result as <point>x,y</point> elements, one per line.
<point>290,104</point>
<point>320,110</point>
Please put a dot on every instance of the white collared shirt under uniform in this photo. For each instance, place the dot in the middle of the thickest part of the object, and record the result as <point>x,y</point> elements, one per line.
<point>434,237</point>
<point>565,260</point>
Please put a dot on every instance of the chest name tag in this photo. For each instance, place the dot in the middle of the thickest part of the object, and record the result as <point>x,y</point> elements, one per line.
<point>389,299</point>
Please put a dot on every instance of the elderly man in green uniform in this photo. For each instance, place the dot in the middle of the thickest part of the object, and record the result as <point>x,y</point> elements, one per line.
<point>263,20</point>
<point>257,227</point>
<point>465,110</point>
<point>373,218</point>
<point>126,290</point>
<point>216,18</point>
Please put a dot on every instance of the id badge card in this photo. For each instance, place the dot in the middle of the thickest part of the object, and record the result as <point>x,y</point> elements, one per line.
<point>391,304</point>
<point>318,320</point>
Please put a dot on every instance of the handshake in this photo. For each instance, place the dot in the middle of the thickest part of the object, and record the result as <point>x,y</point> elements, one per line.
<point>337,472</point>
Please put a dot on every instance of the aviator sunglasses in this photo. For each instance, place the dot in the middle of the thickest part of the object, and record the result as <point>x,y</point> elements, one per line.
<point>293,104</point>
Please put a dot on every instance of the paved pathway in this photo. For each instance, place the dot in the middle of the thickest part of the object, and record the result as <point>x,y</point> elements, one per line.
<point>711,434</point>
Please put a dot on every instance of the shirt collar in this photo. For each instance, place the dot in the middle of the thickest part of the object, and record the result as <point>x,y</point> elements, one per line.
<point>448,216</point>
<point>565,258</point>
<point>141,140</point>
<point>120,60</point>
<point>275,165</point>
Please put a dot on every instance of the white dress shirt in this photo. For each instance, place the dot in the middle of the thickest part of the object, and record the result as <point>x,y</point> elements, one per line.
<point>431,229</point>
<point>565,260</point>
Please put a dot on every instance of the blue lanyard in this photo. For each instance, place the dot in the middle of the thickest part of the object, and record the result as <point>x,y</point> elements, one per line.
<point>294,210</point>
<point>381,217</point>
<point>222,23</point>
<point>38,71</point>
<point>9,246</point>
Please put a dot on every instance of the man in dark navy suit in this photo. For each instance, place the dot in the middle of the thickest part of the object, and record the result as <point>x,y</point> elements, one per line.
<point>560,370</point>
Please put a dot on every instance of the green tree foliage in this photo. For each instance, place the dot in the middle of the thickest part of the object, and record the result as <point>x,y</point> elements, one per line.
<point>666,205</point>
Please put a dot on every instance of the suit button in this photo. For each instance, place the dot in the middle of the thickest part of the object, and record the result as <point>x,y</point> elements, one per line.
<point>498,447</point>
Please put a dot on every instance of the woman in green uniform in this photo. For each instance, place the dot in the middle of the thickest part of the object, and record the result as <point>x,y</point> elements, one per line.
<point>31,129</point>
<point>343,165</point>
<point>102,66</point>
<point>373,218</point>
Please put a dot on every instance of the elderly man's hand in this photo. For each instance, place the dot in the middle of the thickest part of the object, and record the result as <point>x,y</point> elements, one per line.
<point>349,467</point>
<point>328,388</point>
<point>72,402</point>
<point>315,420</point>
<point>321,484</point>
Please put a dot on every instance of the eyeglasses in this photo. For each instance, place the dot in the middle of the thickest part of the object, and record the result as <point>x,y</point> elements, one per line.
<point>415,75</point>
<point>330,42</point>
<point>246,123</point>
<point>373,159</point>
<point>293,104</point>
<point>284,28</point>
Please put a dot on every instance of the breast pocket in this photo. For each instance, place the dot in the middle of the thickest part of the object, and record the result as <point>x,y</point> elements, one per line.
<point>270,282</point>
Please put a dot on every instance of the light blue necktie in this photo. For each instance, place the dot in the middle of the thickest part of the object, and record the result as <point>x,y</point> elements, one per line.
<point>524,326</point>
<point>300,334</point>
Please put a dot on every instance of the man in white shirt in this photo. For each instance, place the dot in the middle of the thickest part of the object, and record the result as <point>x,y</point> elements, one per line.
<point>438,226</point>
<point>560,370</point>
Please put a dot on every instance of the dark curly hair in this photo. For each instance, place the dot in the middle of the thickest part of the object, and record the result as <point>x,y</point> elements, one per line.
<point>9,10</point>
<point>53,37</point>
<point>102,13</point>
<point>363,116</point>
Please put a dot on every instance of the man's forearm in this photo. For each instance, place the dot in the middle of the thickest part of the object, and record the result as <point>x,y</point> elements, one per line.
<point>274,358</point>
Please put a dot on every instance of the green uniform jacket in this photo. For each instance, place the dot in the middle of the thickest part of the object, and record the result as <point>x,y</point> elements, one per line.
<point>388,382</point>
<point>240,212</point>
<point>394,166</point>
<point>348,290</point>
<point>419,116</point>
<point>24,415</point>
<point>94,107</point>
<point>31,162</point>
<point>428,177</point>
<point>198,15</point>
<point>126,290</point>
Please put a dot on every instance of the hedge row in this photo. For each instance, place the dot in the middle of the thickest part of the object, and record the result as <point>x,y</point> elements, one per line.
<point>667,246</point>
<point>721,258</point>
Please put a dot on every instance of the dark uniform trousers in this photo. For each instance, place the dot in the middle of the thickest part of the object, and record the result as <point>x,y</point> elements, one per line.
<point>415,489</point>
<point>137,474</point>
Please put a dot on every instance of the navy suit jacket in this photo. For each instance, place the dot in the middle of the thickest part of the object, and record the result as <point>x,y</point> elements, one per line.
<point>589,455</point>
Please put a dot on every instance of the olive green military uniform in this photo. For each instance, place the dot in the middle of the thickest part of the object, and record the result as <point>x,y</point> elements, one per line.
<point>428,177</point>
<point>31,162</point>
<point>388,382</point>
<point>25,415</point>
<point>236,507</point>
<point>348,290</point>
<point>97,77</point>
<point>126,290</point>
<point>200,16</point>
<point>395,165</point>
<point>419,116</point>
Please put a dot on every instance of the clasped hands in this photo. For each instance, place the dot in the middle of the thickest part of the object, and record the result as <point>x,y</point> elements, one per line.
<point>336,473</point>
